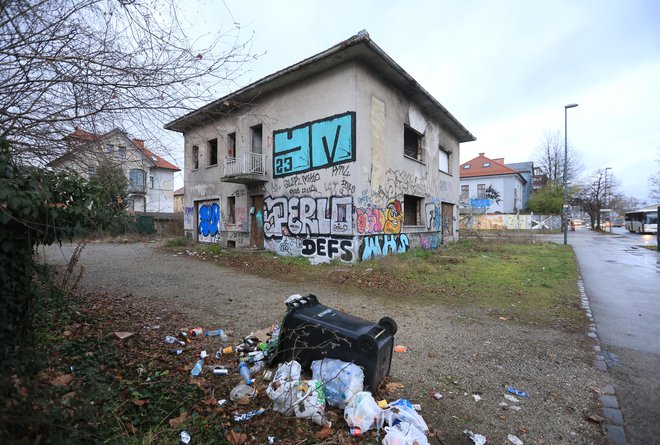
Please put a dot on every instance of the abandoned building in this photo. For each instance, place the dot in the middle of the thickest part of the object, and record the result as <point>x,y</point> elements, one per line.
<point>342,156</point>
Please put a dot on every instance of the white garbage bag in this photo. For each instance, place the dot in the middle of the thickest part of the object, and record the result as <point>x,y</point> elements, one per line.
<point>342,380</point>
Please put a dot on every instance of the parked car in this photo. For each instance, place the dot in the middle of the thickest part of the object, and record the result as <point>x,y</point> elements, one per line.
<point>618,221</point>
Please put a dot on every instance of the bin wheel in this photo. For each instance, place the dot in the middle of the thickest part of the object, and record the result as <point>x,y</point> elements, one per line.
<point>389,324</point>
<point>366,343</point>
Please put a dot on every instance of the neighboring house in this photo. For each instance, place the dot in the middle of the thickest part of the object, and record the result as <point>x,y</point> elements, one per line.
<point>341,156</point>
<point>480,173</point>
<point>151,178</point>
<point>526,170</point>
<point>540,178</point>
<point>178,200</point>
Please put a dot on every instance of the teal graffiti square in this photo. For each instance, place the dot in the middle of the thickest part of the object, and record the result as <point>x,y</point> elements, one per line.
<point>291,151</point>
<point>332,141</point>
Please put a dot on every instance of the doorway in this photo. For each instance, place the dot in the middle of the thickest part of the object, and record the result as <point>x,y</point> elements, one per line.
<point>257,223</point>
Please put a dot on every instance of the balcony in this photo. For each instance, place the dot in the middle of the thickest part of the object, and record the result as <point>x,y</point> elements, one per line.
<point>248,168</point>
<point>137,188</point>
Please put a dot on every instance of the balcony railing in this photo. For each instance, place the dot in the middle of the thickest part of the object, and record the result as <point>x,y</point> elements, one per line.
<point>137,188</point>
<point>249,167</point>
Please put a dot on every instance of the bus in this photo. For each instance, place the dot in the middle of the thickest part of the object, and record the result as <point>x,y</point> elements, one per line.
<point>643,221</point>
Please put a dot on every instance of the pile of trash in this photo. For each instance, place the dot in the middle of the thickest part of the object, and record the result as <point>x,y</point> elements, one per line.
<point>333,383</point>
<point>340,384</point>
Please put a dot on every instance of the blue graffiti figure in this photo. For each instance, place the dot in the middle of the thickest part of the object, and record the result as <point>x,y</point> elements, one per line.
<point>209,219</point>
<point>260,219</point>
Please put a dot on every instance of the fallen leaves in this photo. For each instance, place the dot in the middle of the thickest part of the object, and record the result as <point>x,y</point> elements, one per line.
<point>324,433</point>
<point>62,380</point>
<point>177,421</point>
<point>235,438</point>
<point>390,387</point>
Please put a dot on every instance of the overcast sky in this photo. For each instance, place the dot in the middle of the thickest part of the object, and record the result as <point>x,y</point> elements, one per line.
<point>504,69</point>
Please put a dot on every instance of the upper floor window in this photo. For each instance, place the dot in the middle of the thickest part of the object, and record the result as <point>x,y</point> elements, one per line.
<point>412,143</point>
<point>195,157</point>
<point>109,148</point>
<point>481,191</point>
<point>231,207</point>
<point>121,151</point>
<point>443,160</point>
<point>465,191</point>
<point>152,182</point>
<point>213,151</point>
<point>137,177</point>
<point>412,210</point>
<point>231,145</point>
<point>257,138</point>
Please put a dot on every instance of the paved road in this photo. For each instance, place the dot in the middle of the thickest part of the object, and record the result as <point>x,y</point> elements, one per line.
<point>622,281</point>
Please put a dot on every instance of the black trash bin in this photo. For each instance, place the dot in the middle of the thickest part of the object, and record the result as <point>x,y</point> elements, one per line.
<point>311,331</point>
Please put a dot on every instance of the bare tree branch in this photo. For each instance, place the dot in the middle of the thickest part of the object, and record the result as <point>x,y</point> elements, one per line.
<point>104,64</point>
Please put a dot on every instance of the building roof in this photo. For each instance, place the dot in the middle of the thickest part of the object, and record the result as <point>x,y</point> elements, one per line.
<point>483,166</point>
<point>180,191</point>
<point>358,47</point>
<point>87,137</point>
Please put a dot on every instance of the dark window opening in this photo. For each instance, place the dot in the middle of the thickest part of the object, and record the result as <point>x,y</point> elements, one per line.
<point>231,145</point>
<point>231,207</point>
<point>412,206</point>
<point>213,152</point>
<point>257,138</point>
<point>195,157</point>
<point>412,143</point>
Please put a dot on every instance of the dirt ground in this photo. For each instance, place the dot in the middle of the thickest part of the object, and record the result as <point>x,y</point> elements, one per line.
<point>468,356</point>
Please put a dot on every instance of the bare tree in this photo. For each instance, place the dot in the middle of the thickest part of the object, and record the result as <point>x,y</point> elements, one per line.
<point>654,182</point>
<point>593,194</point>
<point>550,159</point>
<point>100,65</point>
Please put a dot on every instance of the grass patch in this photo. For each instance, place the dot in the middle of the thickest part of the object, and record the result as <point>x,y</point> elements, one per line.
<point>528,283</point>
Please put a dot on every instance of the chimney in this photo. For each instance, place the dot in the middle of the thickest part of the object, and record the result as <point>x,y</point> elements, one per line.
<point>500,160</point>
<point>481,154</point>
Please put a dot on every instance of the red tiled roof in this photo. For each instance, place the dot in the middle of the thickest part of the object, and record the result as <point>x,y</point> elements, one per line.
<point>157,160</point>
<point>483,166</point>
<point>139,144</point>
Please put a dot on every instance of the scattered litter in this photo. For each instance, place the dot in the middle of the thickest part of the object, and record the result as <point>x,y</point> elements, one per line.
<point>357,432</point>
<point>197,369</point>
<point>504,318</point>
<point>176,351</point>
<point>517,392</point>
<point>476,397</point>
<point>382,404</point>
<point>402,411</point>
<point>123,335</point>
<point>196,332</point>
<point>514,439</point>
<point>271,440</point>
<point>511,398</point>
<point>169,339</point>
<point>400,348</point>
<point>436,395</point>
<point>185,437</point>
<point>242,394</point>
<point>203,354</point>
<point>218,370</point>
<point>217,333</point>
<point>248,415</point>
<point>596,418</point>
<point>516,407</point>
<point>222,402</point>
<point>244,371</point>
<point>311,403</point>
<point>503,404</point>
<point>478,439</point>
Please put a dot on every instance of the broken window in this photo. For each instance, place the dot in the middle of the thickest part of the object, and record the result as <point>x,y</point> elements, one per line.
<point>195,157</point>
<point>231,210</point>
<point>231,145</point>
<point>412,143</point>
<point>412,210</point>
<point>213,151</point>
<point>257,138</point>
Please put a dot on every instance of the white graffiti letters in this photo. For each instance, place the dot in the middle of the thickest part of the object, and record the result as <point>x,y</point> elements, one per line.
<point>306,216</point>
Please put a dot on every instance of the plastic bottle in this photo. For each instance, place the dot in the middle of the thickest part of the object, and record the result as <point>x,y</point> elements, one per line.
<point>256,368</point>
<point>196,332</point>
<point>216,333</point>
<point>197,369</point>
<point>171,340</point>
<point>244,371</point>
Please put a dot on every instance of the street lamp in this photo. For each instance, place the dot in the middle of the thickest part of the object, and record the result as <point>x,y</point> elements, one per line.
<point>607,186</point>
<point>566,107</point>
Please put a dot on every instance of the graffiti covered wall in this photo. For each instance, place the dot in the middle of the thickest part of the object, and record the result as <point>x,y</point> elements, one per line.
<point>510,222</point>
<point>208,221</point>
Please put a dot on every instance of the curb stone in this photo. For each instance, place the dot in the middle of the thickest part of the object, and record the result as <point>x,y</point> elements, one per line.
<point>613,423</point>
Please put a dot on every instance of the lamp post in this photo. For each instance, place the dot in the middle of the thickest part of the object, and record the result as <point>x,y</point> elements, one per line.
<point>607,186</point>
<point>565,208</point>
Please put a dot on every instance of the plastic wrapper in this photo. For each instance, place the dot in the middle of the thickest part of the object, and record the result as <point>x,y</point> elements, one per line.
<point>402,411</point>
<point>404,433</point>
<point>363,412</point>
<point>342,380</point>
